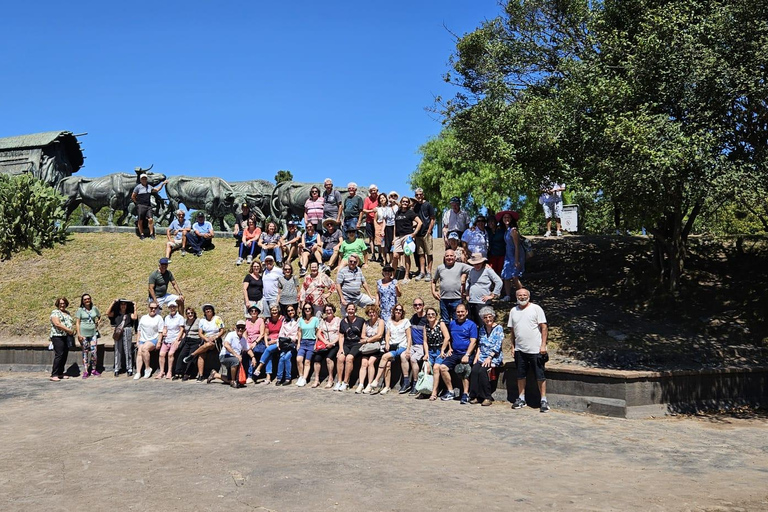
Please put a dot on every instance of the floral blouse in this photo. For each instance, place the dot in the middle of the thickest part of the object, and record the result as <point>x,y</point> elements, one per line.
<point>64,319</point>
<point>490,344</point>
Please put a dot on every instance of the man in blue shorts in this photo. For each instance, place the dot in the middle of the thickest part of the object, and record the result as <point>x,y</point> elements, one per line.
<point>463,342</point>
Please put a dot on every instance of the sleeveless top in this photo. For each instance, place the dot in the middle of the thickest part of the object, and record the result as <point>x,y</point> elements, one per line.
<point>435,337</point>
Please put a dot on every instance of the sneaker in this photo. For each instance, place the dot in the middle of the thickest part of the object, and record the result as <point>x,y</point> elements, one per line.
<point>544,406</point>
<point>137,376</point>
<point>249,380</point>
<point>337,386</point>
<point>147,373</point>
<point>464,398</point>
<point>239,261</point>
<point>447,396</point>
<point>367,389</point>
<point>301,382</point>
<point>405,281</point>
<point>506,298</point>
<point>130,373</point>
<point>548,233</point>
<point>486,402</point>
<point>427,276</point>
<point>519,403</point>
<point>117,373</point>
<point>559,233</point>
<point>302,272</point>
<point>141,237</point>
<point>375,389</point>
<point>406,387</point>
<point>95,373</point>
<point>183,252</point>
<point>249,259</point>
<point>384,391</point>
<point>152,236</point>
<point>419,277</point>
<point>85,375</point>
<point>198,254</point>
<point>359,389</point>
<point>343,386</point>
<point>413,390</point>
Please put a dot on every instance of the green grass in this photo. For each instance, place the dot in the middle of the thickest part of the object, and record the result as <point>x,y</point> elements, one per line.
<point>114,265</point>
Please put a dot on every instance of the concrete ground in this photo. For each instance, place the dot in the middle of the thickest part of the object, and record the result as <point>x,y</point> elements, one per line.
<point>151,445</point>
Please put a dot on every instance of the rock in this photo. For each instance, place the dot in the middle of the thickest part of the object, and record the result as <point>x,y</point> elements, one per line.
<point>617,335</point>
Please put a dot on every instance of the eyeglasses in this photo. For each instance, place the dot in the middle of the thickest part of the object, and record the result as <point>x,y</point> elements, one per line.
<point>417,304</point>
<point>431,314</point>
<point>189,313</point>
<point>152,309</point>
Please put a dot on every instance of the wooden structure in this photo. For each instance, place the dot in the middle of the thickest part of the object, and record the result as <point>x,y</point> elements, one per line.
<point>49,156</point>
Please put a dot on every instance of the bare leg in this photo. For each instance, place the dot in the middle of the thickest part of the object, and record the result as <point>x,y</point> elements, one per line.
<point>340,368</point>
<point>348,366</point>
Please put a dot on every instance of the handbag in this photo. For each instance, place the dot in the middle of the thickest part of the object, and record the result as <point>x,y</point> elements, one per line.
<point>241,377</point>
<point>426,380</point>
<point>119,330</point>
<point>370,348</point>
<point>285,344</point>
<point>320,342</point>
<point>70,341</point>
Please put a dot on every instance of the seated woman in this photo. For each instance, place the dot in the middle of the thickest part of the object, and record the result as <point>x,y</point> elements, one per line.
<point>250,242</point>
<point>150,333</point>
<point>254,335</point>
<point>487,358</point>
<point>210,329</point>
<point>329,333</point>
<point>350,333</point>
<point>307,249</point>
<point>230,355</point>
<point>373,333</point>
<point>289,331</point>
<point>189,344</point>
<point>398,341</point>
<point>459,251</point>
<point>289,243</point>
<point>272,327</point>
<point>270,242</point>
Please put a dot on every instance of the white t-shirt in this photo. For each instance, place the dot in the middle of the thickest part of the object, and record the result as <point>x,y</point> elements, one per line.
<point>212,326</point>
<point>397,332</point>
<point>173,325</point>
<point>525,324</point>
<point>269,278</point>
<point>150,327</point>
<point>238,344</point>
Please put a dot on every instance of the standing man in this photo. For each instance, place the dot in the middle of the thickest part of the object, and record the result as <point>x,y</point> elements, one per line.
<point>331,202</point>
<point>483,286</point>
<point>454,219</point>
<point>423,238</point>
<point>353,209</point>
<point>269,278</point>
<point>177,235</point>
<point>370,204</point>
<point>158,286</point>
<point>452,277</point>
<point>475,239</point>
<point>529,339</point>
<point>201,235</point>
<point>142,197</point>
<point>551,200</point>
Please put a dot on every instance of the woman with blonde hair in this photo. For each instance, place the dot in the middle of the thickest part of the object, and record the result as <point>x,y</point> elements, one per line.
<point>62,335</point>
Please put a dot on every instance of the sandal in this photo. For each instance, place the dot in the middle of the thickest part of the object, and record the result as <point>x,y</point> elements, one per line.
<point>432,398</point>
<point>315,384</point>
<point>54,379</point>
<point>329,385</point>
<point>159,375</point>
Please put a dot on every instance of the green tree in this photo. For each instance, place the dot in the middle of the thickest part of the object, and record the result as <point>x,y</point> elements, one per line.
<point>282,176</point>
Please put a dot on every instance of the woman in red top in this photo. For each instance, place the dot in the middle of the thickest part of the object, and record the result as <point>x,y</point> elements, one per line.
<point>272,330</point>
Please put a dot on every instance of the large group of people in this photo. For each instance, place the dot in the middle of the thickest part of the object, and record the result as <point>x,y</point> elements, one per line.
<point>290,328</point>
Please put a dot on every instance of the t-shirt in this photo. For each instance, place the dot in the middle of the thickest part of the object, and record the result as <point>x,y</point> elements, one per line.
<point>455,221</point>
<point>203,228</point>
<point>387,214</point>
<point>351,283</point>
<point>353,206</point>
<point>476,240</point>
<point>397,333</point>
<point>331,329</point>
<point>450,279</point>
<point>212,326</point>
<point>238,344</point>
<point>161,280</point>
<point>461,334</point>
<point>273,328</point>
<point>150,327</point>
<point>370,204</point>
<point>87,320</point>
<point>192,331</point>
<point>292,236</point>
<point>179,227</point>
<point>483,282</point>
<point>357,247</point>
<point>253,330</point>
<point>269,279</point>
<point>266,238</point>
<point>308,328</point>
<point>404,222</point>
<point>426,212</point>
<point>331,202</point>
<point>173,325</point>
<point>351,330</point>
<point>331,240</point>
<point>310,241</point>
<point>242,220</point>
<point>525,325</point>
<point>497,245</point>
<point>290,289</point>
<point>554,197</point>
<point>314,210</point>
<point>417,332</point>
<point>143,194</point>
<point>255,289</point>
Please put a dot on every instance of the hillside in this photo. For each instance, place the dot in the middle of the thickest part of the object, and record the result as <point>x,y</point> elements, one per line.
<point>595,291</point>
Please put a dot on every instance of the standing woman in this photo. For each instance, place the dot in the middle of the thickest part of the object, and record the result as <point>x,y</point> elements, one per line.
<point>87,319</point>
<point>253,287</point>
<point>272,328</point>
<point>379,225</point>
<point>289,331</point>
<point>313,208</point>
<point>407,224</point>
<point>329,333</point>
<point>497,247</point>
<point>62,331</point>
<point>254,334</point>
<point>288,290</point>
<point>123,315</point>
<point>309,325</point>
<point>398,341</point>
<point>389,226</point>
<point>388,291</point>
<point>372,333</point>
<point>514,259</point>
<point>491,335</point>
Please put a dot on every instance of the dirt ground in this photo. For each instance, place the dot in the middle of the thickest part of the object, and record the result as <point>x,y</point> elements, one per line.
<point>141,445</point>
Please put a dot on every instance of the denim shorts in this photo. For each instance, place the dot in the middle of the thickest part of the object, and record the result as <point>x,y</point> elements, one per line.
<point>154,342</point>
<point>399,350</point>
<point>434,357</point>
<point>306,349</point>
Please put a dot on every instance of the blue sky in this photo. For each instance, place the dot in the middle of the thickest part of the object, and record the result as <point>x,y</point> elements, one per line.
<point>235,89</point>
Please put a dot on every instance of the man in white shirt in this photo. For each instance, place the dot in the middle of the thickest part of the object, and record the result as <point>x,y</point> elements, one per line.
<point>150,333</point>
<point>177,235</point>
<point>529,339</point>
<point>231,355</point>
<point>551,200</point>
<point>454,219</point>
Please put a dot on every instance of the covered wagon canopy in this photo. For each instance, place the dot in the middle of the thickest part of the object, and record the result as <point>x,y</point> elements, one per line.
<point>49,156</point>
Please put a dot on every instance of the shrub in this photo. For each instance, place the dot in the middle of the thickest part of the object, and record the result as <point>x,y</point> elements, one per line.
<point>31,215</point>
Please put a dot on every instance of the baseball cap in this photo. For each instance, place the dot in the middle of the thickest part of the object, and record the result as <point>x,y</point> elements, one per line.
<point>453,235</point>
<point>163,261</point>
<point>455,199</point>
<point>172,304</point>
<point>240,323</point>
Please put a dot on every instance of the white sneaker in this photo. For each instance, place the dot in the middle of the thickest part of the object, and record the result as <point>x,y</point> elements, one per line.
<point>343,386</point>
<point>249,380</point>
<point>147,373</point>
<point>548,233</point>
<point>302,382</point>
<point>239,261</point>
<point>137,376</point>
<point>249,260</point>
<point>367,389</point>
<point>337,386</point>
<point>559,233</point>
<point>359,389</point>
<point>183,252</point>
<point>384,391</point>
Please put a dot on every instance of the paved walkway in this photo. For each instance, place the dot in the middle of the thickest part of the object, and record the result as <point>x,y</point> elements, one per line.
<point>141,445</point>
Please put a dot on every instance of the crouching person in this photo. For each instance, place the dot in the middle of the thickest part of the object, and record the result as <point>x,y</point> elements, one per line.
<point>231,357</point>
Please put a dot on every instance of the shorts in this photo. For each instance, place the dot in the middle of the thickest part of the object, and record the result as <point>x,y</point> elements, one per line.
<point>328,353</point>
<point>175,243</point>
<point>424,244</point>
<point>143,211</point>
<point>417,353</point>
<point>451,361</point>
<point>395,353</point>
<point>434,357</point>
<point>168,348</point>
<point>524,361</point>
<point>306,349</point>
<point>398,244</point>
<point>557,207</point>
<point>363,300</point>
<point>352,348</point>
<point>327,254</point>
<point>370,230</point>
<point>165,299</point>
<point>153,342</point>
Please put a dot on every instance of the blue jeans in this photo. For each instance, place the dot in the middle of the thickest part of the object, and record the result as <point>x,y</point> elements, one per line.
<point>266,357</point>
<point>251,251</point>
<point>348,223</point>
<point>448,309</point>
<point>284,366</point>
<point>275,252</point>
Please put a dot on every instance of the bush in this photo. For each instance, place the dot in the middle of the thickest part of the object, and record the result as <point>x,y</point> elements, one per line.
<point>31,215</point>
